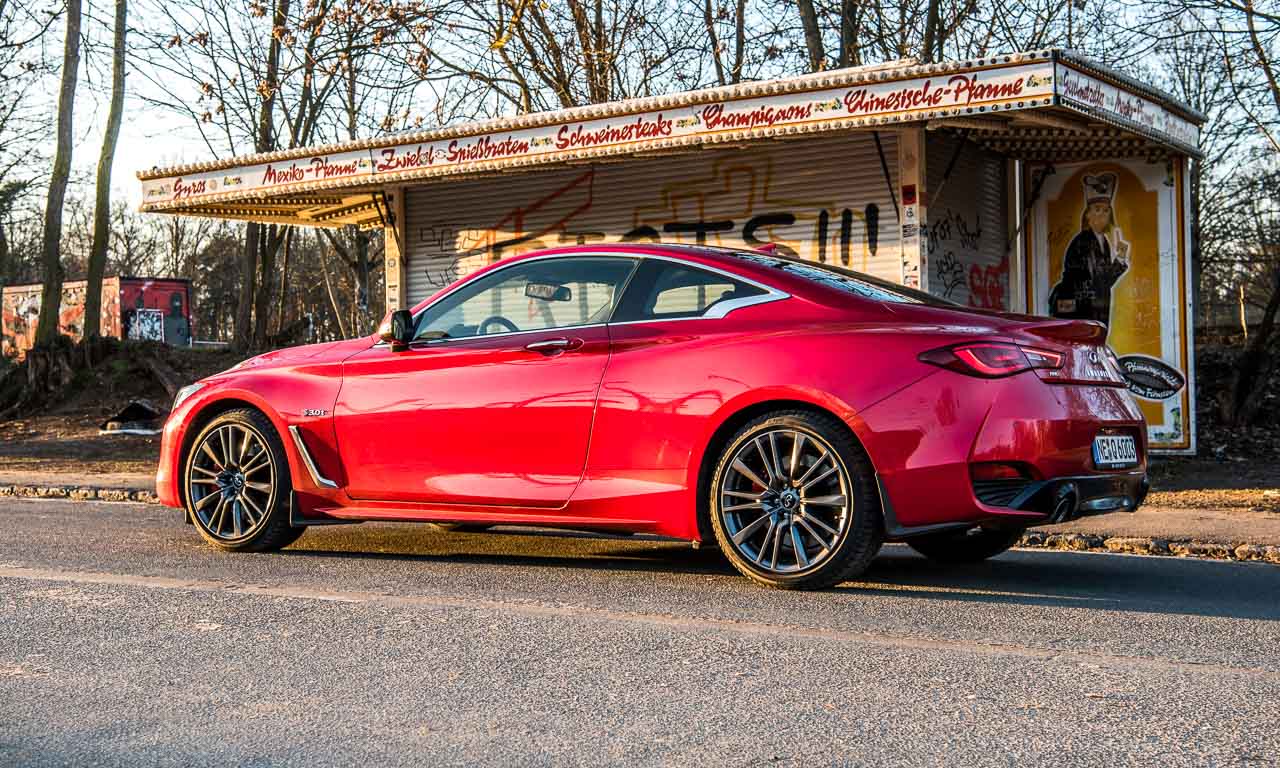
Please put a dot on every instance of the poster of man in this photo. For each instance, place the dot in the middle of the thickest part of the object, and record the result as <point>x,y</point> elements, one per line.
<point>1095,259</point>
<point>1105,245</point>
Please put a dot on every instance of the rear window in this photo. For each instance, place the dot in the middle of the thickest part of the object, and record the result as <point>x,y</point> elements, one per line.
<point>843,279</point>
<point>664,290</point>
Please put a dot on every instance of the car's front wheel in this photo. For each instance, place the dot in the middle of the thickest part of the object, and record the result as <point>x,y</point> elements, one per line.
<point>793,502</point>
<point>970,546</point>
<point>237,485</point>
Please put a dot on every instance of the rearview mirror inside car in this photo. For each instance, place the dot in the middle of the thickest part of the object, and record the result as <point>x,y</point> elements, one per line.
<point>398,329</point>
<point>548,291</point>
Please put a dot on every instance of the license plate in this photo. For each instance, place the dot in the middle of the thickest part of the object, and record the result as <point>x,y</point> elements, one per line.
<point>1115,452</point>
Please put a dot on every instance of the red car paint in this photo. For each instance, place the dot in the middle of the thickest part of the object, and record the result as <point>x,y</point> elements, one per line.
<point>615,434</point>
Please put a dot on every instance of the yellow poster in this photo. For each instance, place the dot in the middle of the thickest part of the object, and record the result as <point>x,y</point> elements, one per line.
<point>1107,244</point>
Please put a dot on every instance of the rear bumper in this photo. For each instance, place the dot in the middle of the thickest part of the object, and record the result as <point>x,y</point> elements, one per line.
<point>1068,498</point>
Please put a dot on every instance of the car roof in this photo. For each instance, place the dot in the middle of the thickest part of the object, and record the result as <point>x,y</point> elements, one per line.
<point>785,273</point>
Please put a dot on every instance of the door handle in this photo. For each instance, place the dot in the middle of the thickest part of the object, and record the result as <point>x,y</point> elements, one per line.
<point>551,346</point>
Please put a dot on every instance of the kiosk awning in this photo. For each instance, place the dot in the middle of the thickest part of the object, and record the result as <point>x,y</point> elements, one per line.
<point>1044,105</point>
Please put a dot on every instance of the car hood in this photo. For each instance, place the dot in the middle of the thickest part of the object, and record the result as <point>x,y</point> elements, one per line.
<point>327,352</point>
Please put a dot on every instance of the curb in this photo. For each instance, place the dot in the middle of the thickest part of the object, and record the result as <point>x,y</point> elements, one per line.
<point>79,493</point>
<point>1138,545</point>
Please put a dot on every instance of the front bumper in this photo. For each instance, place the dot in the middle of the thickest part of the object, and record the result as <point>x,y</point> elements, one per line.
<point>1061,499</point>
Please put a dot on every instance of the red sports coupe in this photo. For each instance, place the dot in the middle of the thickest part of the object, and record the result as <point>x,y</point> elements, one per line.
<point>796,414</point>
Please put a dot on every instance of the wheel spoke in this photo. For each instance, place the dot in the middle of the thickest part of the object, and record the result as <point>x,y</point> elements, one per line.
<point>204,501</point>
<point>214,457</point>
<point>804,523</point>
<point>204,481</point>
<point>768,465</point>
<point>219,513</point>
<point>806,486</point>
<point>764,545</point>
<point>773,451</point>
<point>746,532</point>
<point>777,544</point>
<point>261,487</point>
<point>826,501</point>
<point>820,524</point>
<point>742,494</point>
<point>746,472</point>
<point>204,471</point>
<point>749,505</point>
<point>812,468</point>
<point>796,447</point>
<point>802,559</point>
<point>244,446</point>
<point>224,436</point>
<point>237,524</point>
<point>249,470</point>
<point>250,504</point>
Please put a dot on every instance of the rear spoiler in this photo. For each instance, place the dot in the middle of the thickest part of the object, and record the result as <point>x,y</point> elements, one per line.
<point>1087,331</point>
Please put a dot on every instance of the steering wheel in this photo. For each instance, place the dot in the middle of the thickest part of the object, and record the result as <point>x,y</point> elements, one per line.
<point>483,328</point>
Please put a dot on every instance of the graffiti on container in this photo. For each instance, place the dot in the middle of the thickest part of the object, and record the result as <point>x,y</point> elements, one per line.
<point>953,244</point>
<point>147,324</point>
<point>732,205</point>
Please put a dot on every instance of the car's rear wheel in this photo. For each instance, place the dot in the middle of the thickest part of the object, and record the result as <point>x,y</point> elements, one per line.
<point>237,484</point>
<point>793,502</point>
<point>969,546</point>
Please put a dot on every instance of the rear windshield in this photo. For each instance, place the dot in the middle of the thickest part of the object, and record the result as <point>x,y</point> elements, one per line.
<point>842,279</point>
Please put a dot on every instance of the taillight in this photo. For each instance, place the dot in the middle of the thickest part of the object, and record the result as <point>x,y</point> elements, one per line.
<point>992,359</point>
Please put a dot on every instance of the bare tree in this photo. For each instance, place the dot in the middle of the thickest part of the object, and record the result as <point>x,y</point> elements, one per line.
<point>51,298</point>
<point>102,205</point>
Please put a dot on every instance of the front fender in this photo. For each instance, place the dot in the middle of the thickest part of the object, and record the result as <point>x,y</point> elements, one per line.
<point>283,397</point>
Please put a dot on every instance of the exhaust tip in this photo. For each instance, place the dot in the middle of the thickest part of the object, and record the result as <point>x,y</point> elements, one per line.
<point>1064,509</point>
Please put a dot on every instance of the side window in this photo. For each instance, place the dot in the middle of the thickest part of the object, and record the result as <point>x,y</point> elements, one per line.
<point>664,290</point>
<point>530,296</point>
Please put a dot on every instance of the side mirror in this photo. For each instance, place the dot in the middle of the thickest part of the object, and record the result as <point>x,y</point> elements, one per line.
<point>398,329</point>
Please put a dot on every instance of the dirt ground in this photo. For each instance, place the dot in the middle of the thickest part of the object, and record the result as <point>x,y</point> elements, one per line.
<point>64,438</point>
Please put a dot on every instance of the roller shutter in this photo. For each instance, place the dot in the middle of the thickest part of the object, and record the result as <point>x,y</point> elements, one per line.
<point>967,234</point>
<point>824,199</point>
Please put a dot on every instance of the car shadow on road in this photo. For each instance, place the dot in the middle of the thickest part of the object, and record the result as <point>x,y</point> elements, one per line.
<point>1024,577</point>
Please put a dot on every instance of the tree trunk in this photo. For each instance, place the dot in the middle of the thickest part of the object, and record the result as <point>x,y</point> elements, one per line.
<point>266,283</point>
<point>284,281</point>
<point>102,203</point>
<point>812,35</point>
<point>1254,362</point>
<point>51,251</point>
<point>243,340</point>
<point>933,22</point>
<point>849,34</point>
<point>247,334</point>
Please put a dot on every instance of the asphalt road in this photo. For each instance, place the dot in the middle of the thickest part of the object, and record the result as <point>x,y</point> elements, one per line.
<point>125,641</point>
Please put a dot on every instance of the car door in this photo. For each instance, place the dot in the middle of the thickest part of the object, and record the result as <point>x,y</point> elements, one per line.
<point>493,401</point>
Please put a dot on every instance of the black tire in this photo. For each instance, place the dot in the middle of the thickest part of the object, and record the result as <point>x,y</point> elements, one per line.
<point>969,546</point>
<point>262,500</point>
<point>857,528</point>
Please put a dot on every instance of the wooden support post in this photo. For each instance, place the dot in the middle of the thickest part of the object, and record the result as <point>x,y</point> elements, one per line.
<point>913,207</point>
<point>395,238</point>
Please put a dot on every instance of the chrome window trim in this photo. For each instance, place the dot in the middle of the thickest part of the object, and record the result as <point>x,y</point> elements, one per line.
<point>716,312</point>
<point>307,461</point>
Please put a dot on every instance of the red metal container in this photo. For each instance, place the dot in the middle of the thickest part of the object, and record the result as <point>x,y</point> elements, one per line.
<point>132,308</point>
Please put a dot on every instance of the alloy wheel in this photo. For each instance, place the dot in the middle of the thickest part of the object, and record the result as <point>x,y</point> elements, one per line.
<point>231,481</point>
<point>785,501</point>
